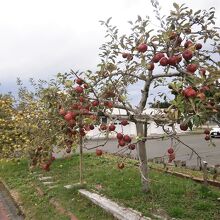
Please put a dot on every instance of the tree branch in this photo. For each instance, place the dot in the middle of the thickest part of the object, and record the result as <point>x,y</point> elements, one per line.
<point>167,75</point>
<point>145,94</point>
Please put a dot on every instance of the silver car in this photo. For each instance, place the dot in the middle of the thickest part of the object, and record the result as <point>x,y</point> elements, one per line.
<point>215,132</point>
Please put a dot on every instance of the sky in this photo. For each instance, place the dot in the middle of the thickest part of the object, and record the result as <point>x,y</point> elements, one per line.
<point>41,38</point>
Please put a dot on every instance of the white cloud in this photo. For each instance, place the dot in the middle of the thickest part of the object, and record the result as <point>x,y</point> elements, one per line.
<point>40,38</point>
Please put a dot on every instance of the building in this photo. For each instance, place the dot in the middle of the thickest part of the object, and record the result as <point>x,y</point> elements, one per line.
<point>129,129</point>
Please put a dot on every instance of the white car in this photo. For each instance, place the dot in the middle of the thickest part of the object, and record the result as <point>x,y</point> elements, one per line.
<point>215,132</point>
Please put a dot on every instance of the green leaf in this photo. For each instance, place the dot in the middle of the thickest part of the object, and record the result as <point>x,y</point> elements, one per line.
<point>211,17</point>
<point>176,6</point>
<point>122,41</point>
<point>109,19</point>
<point>139,18</point>
<point>197,12</point>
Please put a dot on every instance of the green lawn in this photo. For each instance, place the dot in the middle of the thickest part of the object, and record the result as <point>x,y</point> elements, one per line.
<point>179,198</point>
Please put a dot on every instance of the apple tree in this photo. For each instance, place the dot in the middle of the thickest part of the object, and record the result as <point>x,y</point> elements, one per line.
<point>180,57</point>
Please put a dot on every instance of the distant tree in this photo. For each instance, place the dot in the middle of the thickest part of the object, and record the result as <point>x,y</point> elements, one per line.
<point>41,123</point>
<point>12,140</point>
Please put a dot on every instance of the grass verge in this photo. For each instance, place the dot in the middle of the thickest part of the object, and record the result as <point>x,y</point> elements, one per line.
<point>176,197</point>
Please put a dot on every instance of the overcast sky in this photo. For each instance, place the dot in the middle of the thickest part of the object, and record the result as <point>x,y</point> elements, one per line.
<point>40,38</point>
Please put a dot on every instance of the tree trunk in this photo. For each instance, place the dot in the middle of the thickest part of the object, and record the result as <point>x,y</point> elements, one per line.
<point>142,155</point>
<point>81,160</point>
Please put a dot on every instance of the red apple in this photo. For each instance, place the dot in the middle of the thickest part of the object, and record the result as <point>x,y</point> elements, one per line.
<point>103,127</point>
<point>157,57</point>
<point>172,61</point>
<point>142,48</point>
<point>121,165</point>
<point>98,152</point>
<point>202,71</point>
<point>69,116</point>
<point>163,61</point>
<point>189,92</point>
<point>127,138</point>
<point>150,66</point>
<point>198,46</point>
<point>121,143</point>
<point>179,40</point>
<point>46,166</point>
<point>79,89</point>
<point>173,35</point>
<point>119,136</point>
<point>170,150</point>
<point>191,67</point>
<point>187,54</point>
<point>124,122</point>
<point>130,57</point>
<point>111,127</point>
<point>179,58</point>
<point>207,131</point>
<point>131,146</point>
<point>95,103</point>
<point>79,81</point>
<point>91,127</point>
<point>125,55</point>
<point>85,86</point>
<point>188,43</point>
<point>183,126</point>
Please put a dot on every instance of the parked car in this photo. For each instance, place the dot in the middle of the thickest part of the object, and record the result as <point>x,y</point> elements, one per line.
<point>215,132</point>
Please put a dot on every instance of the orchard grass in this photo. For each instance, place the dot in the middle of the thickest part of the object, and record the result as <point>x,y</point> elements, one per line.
<point>177,197</point>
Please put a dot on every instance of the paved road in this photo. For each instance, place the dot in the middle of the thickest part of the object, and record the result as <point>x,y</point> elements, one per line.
<point>157,148</point>
<point>8,209</point>
<point>3,212</point>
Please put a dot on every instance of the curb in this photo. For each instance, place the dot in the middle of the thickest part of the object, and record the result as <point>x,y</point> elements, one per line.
<point>182,175</point>
<point>119,212</point>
